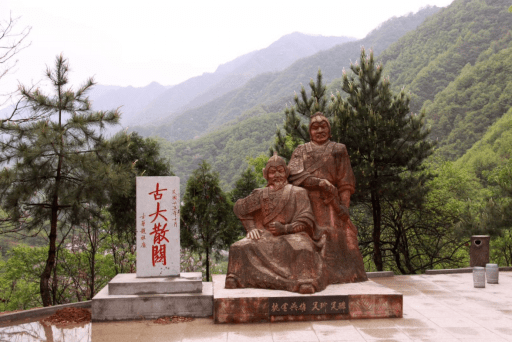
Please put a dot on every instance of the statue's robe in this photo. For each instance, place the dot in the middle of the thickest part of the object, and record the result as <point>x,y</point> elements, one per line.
<point>330,161</point>
<point>283,262</point>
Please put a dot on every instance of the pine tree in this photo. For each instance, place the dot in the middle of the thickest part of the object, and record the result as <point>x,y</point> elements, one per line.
<point>56,176</point>
<point>386,143</point>
<point>296,126</point>
<point>207,220</point>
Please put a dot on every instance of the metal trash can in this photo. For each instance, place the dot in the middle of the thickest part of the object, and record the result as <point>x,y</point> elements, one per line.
<point>492,273</point>
<point>479,250</point>
<point>479,277</point>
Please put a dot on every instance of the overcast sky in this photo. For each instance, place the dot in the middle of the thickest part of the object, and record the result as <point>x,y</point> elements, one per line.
<point>134,43</point>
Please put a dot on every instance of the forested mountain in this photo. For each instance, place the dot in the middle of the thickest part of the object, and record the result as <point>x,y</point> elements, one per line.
<point>491,151</point>
<point>456,66</point>
<point>275,89</point>
<point>201,89</point>
<point>462,112</point>
<point>227,149</point>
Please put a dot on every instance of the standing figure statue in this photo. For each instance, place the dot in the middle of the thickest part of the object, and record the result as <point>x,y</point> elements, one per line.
<point>323,168</point>
<point>279,251</point>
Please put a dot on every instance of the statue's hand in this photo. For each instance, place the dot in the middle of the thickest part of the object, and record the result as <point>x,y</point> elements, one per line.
<point>276,228</point>
<point>344,212</point>
<point>327,186</point>
<point>254,234</point>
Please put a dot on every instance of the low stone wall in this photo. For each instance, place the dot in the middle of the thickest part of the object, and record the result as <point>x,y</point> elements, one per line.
<point>462,270</point>
<point>42,311</point>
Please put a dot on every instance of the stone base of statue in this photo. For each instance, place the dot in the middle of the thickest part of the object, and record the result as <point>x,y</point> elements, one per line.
<point>127,297</point>
<point>337,302</point>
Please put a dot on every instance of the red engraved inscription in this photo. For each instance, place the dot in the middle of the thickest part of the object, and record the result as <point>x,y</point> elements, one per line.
<point>156,194</point>
<point>158,213</point>
<point>158,254</point>
<point>159,233</point>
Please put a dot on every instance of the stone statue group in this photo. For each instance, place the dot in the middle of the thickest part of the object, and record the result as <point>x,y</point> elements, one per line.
<point>299,234</point>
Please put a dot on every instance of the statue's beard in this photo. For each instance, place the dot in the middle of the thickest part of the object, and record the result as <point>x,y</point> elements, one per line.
<point>321,137</point>
<point>278,183</point>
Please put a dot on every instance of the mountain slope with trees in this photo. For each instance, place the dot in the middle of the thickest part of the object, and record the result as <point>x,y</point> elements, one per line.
<point>234,74</point>
<point>226,150</point>
<point>426,60</point>
<point>462,112</point>
<point>275,89</point>
<point>486,101</point>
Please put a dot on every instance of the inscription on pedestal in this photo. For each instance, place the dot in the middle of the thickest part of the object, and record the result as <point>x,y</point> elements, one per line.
<point>315,305</point>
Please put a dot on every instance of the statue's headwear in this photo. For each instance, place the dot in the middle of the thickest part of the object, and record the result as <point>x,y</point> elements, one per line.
<point>275,161</point>
<point>318,117</point>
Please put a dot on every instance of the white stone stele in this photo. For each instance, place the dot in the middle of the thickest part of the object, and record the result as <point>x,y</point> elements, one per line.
<point>158,226</point>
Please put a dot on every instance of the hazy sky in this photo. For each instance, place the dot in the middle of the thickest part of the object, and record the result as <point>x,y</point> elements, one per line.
<point>134,43</point>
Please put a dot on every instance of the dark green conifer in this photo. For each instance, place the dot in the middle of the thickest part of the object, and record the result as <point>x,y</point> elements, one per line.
<point>386,143</point>
<point>296,126</point>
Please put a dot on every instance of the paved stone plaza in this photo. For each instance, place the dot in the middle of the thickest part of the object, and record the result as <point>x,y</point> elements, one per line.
<point>442,307</point>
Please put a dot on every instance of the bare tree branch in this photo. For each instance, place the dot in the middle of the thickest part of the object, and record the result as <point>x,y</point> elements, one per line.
<point>12,41</point>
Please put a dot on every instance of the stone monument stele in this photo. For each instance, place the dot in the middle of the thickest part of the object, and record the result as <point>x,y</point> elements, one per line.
<point>158,288</point>
<point>158,226</point>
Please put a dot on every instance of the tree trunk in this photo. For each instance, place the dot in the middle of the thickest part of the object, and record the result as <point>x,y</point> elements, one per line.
<point>54,280</point>
<point>376,233</point>
<point>208,264</point>
<point>92,262</point>
<point>44,287</point>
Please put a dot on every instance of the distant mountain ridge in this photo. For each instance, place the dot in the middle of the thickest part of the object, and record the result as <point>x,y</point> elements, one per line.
<point>456,65</point>
<point>131,99</point>
<point>149,104</point>
<point>231,75</point>
<point>274,89</point>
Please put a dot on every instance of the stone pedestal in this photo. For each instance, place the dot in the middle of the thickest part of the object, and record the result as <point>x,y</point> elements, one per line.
<point>337,302</point>
<point>127,297</point>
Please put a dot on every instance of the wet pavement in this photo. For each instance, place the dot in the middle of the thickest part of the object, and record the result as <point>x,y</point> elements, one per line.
<point>443,307</point>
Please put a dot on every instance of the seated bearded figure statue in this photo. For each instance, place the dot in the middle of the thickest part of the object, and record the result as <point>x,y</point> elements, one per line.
<point>279,251</point>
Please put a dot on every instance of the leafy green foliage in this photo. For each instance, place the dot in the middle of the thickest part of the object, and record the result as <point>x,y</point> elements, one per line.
<point>71,279</point>
<point>491,151</point>
<point>246,183</point>
<point>207,221</point>
<point>19,278</point>
<point>258,163</point>
<point>488,210</point>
